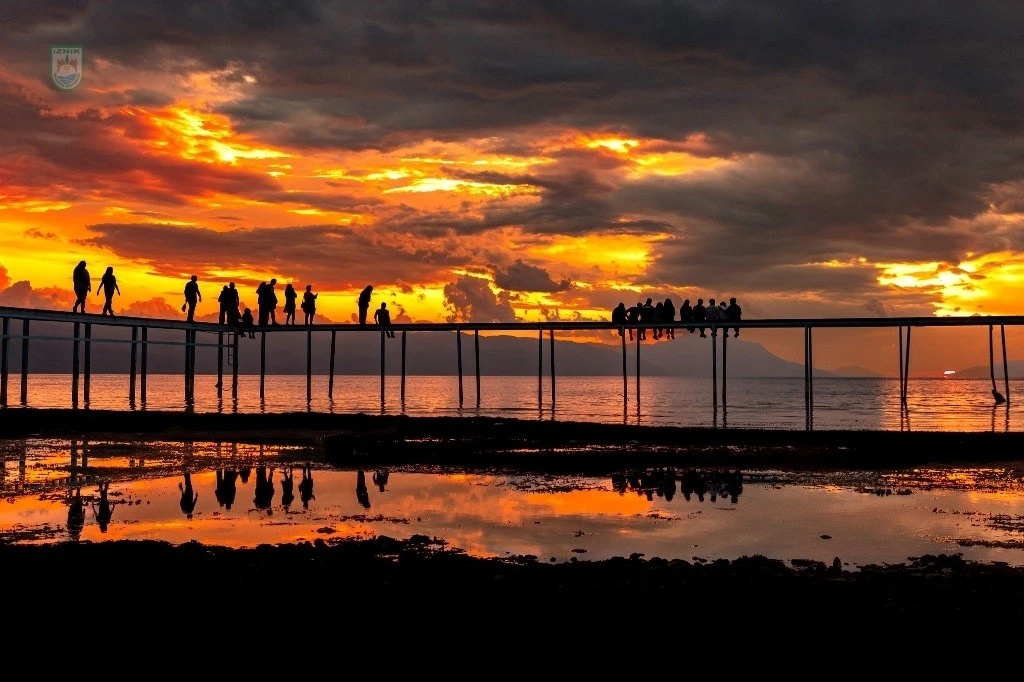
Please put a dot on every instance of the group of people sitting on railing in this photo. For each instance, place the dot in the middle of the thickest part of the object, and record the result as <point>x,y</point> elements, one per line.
<point>665,312</point>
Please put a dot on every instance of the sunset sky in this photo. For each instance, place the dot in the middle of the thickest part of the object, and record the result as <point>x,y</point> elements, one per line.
<point>531,160</point>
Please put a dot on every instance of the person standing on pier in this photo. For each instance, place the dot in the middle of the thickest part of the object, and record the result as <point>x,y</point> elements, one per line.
<point>83,285</point>
<point>289,303</point>
<point>232,304</point>
<point>309,303</point>
<point>224,299</point>
<point>192,298</point>
<point>108,283</point>
<point>364,303</point>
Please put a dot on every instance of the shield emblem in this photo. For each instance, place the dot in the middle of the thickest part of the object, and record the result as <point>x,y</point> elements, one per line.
<point>66,65</point>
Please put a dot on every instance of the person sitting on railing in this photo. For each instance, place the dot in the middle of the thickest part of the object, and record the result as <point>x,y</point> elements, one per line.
<point>246,323</point>
<point>733,313</point>
<point>686,313</point>
<point>700,314</point>
<point>712,314</point>
<point>382,316</point>
<point>619,316</point>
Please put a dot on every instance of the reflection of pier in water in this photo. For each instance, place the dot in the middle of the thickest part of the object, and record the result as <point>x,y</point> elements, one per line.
<point>224,340</point>
<point>692,483</point>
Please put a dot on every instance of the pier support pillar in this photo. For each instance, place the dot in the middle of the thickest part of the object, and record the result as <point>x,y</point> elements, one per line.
<point>330,369</point>
<point>143,369</point>
<point>75,352</point>
<point>1006,371</point>
<point>476,353</point>
<point>24,362</point>
<point>625,382</point>
<point>403,367</point>
<point>714,367</point>
<point>551,336</point>
<point>540,369</point>
<point>638,370</point>
<point>220,364</point>
<point>234,368</point>
<point>382,356</point>
<point>458,352</point>
<point>132,363</point>
<point>87,365</point>
<point>263,365</point>
<point>725,366</point>
<point>3,360</point>
<point>309,366</point>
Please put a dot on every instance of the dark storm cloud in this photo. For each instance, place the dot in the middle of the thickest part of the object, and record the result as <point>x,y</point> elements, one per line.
<point>470,299</point>
<point>520,276</point>
<point>330,257</point>
<point>874,129</point>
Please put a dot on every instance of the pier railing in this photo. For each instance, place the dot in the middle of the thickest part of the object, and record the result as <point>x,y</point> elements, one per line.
<point>16,323</point>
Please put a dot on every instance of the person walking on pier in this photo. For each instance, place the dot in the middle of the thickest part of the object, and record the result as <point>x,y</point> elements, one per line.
<point>192,298</point>
<point>266,301</point>
<point>733,313</point>
<point>289,304</point>
<point>83,285</point>
<point>382,316</point>
<point>309,303</point>
<point>225,301</point>
<point>700,314</point>
<point>364,303</point>
<point>108,283</point>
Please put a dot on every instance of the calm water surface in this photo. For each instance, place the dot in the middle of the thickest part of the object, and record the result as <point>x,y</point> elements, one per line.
<point>235,495</point>
<point>933,404</point>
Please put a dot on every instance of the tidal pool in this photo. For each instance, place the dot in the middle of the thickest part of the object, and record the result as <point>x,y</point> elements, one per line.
<point>238,495</point>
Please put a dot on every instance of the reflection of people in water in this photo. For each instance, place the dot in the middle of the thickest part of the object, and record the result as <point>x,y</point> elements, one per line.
<point>76,515</point>
<point>104,511</point>
<point>287,496</point>
<point>362,494</point>
<point>225,492</point>
<point>306,486</point>
<point>380,478</point>
<point>264,493</point>
<point>188,497</point>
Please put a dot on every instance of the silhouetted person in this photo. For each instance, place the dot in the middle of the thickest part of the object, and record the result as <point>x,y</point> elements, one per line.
<point>364,303</point>
<point>700,314</point>
<point>309,303</point>
<point>232,304</point>
<point>658,316</point>
<point>226,490</point>
<point>733,313</point>
<point>289,303</point>
<point>287,488</point>
<point>382,316</point>
<point>76,515</point>
<point>380,479</point>
<point>108,283</point>
<point>362,494</point>
<point>192,298</point>
<point>246,323</point>
<point>670,316</point>
<point>225,306</point>
<point>713,313</point>
<point>306,487</point>
<point>266,302</point>
<point>646,315</point>
<point>83,286</point>
<point>264,492</point>
<point>619,315</point>
<point>686,313</point>
<point>188,497</point>
<point>103,511</point>
<point>632,317</point>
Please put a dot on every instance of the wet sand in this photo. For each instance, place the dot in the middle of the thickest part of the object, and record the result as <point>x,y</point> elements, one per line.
<point>415,578</point>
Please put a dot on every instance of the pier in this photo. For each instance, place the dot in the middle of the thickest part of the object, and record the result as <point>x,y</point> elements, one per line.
<point>188,337</point>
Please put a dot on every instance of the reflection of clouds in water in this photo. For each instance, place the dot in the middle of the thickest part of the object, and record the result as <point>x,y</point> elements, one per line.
<point>777,514</point>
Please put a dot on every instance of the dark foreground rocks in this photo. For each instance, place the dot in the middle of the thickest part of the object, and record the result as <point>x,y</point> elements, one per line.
<point>419,578</point>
